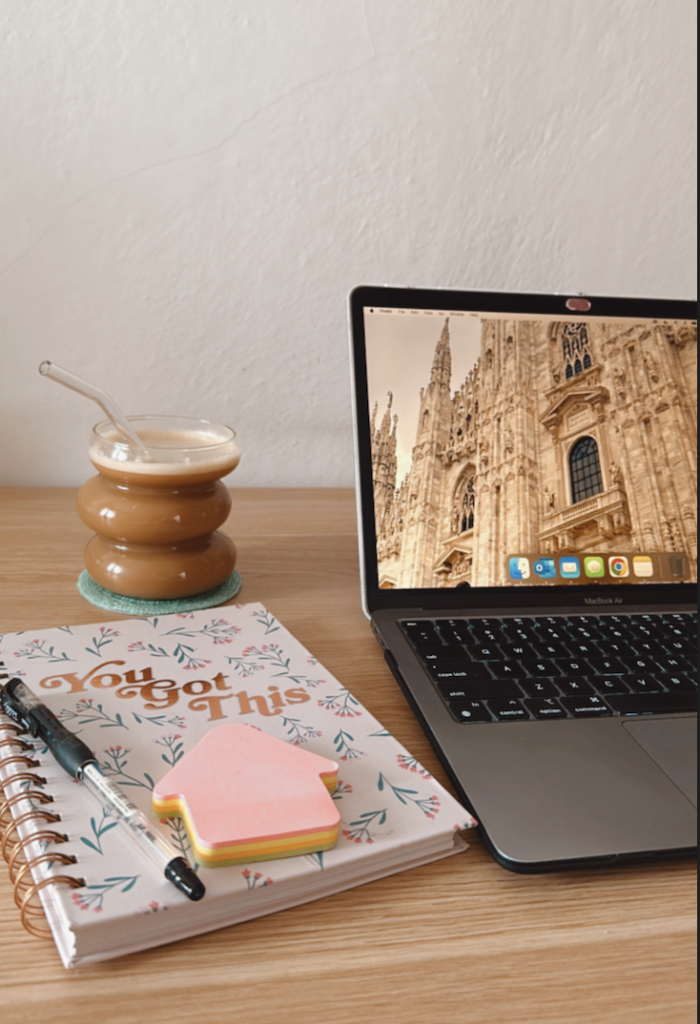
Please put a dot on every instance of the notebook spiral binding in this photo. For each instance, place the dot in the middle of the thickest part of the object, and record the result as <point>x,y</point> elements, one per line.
<point>16,758</point>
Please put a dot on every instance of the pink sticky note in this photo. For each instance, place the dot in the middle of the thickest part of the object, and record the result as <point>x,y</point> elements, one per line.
<point>246,796</point>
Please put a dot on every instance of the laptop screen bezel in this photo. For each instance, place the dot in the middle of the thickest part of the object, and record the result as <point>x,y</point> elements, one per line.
<point>609,597</point>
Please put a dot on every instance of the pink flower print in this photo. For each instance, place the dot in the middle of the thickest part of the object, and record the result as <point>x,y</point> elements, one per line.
<point>411,764</point>
<point>257,880</point>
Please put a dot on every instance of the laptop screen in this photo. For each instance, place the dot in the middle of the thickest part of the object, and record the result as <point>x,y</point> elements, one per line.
<point>511,449</point>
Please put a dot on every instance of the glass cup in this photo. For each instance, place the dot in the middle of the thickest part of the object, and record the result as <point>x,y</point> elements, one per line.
<point>156,510</point>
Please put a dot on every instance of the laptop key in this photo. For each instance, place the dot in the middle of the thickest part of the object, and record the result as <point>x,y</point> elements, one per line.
<point>555,634</point>
<point>643,683</point>
<point>520,634</point>
<point>622,633</point>
<point>485,652</point>
<point>653,703</point>
<point>420,633</point>
<point>555,649</point>
<point>478,689</point>
<point>647,626</point>
<point>508,710</point>
<point>508,669</point>
<point>545,708</point>
<point>674,663</point>
<point>682,626</point>
<point>518,650</point>
<point>572,685</point>
<point>470,670</point>
<point>494,624</point>
<point>454,631</point>
<point>541,667</point>
<point>591,621</point>
<point>583,648</point>
<point>648,648</point>
<point>587,707</point>
<point>539,687</point>
<point>615,648</point>
<point>585,632</point>
<point>557,621</point>
<point>608,666</point>
<point>610,684</point>
<point>573,667</point>
<point>687,647</point>
<point>677,682</point>
<point>519,622</point>
<point>443,654</point>
<point>470,711</point>
<point>639,663</point>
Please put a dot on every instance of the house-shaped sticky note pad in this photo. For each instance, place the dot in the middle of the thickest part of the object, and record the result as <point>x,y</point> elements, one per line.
<point>246,796</point>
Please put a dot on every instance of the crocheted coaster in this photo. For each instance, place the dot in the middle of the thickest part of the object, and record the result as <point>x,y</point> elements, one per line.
<point>97,595</point>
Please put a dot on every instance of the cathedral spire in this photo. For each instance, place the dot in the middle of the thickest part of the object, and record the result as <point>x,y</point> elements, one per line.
<point>386,422</point>
<point>442,361</point>
<point>384,462</point>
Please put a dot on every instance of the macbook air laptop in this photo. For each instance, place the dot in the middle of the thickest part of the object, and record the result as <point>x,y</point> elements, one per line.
<point>527,489</point>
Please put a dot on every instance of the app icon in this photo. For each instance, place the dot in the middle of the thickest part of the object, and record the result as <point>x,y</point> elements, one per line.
<point>520,568</point>
<point>619,566</point>
<point>545,569</point>
<point>570,567</point>
<point>643,565</point>
<point>676,564</point>
<point>594,567</point>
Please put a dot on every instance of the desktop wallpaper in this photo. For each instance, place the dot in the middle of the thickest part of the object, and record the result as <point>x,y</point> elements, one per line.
<point>512,451</point>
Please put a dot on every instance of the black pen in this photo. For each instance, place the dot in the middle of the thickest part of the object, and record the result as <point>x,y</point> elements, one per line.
<point>20,704</point>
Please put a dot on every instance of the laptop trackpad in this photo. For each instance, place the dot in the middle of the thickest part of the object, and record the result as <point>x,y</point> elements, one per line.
<point>672,743</point>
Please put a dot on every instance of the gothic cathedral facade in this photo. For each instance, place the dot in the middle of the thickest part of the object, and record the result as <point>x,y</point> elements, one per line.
<point>564,437</point>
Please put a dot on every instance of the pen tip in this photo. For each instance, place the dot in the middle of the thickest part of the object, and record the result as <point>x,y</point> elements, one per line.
<point>184,878</point>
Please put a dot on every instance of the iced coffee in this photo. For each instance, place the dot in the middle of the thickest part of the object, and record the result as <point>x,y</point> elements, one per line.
<point>156,510</point>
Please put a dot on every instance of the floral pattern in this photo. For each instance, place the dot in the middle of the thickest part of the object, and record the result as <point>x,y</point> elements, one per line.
<point>168,680</point>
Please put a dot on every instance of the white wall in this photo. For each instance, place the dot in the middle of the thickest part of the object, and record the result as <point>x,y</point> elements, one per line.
<point>190,188</point>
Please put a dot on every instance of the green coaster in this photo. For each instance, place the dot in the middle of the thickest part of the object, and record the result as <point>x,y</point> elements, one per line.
<point>97,595</point>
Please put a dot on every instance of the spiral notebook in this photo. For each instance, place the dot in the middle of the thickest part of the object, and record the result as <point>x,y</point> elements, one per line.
<point>141,693</point>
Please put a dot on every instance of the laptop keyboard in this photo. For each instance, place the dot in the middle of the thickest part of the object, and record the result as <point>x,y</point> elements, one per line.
<point>574,666</point>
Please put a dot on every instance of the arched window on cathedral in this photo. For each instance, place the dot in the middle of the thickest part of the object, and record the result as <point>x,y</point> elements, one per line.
<point>584,463</point>
<point>575,349</point>
<point>468,505</point>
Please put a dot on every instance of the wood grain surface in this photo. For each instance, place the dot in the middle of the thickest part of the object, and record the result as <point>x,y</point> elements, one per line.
<point>457,941</point>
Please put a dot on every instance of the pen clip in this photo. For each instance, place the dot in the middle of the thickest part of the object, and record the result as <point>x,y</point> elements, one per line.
<point>15,710</point>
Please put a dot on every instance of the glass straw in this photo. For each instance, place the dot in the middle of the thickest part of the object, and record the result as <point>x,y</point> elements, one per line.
<point>107,404</point>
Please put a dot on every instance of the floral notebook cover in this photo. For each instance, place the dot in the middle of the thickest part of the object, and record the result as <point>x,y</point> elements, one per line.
<point>141,693</point>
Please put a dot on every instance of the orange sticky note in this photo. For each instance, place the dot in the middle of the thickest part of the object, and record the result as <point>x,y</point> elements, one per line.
<point>246,796</point>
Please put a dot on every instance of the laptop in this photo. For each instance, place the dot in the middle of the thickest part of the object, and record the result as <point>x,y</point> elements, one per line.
<point>527,489</point>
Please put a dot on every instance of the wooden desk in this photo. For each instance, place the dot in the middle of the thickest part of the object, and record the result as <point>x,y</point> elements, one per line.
<point>462,940</point>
